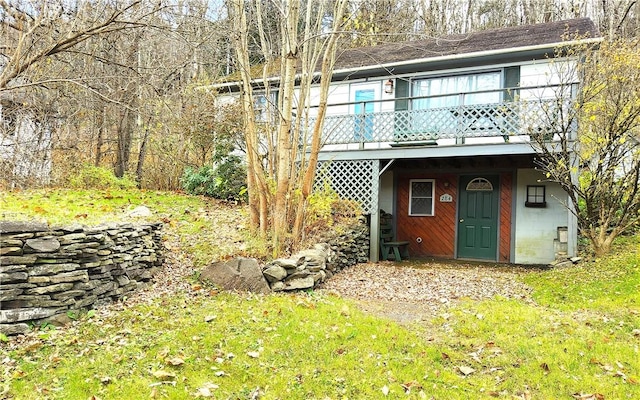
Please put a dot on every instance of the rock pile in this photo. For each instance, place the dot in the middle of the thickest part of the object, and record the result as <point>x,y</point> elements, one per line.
<point>308,268</point>
<point>46,272</point>
<point>301,271</point>
<point>351,248</point>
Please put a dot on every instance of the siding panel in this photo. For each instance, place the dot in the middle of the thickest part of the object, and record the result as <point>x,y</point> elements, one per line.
<point>437,231</point>
<point>506,196</point>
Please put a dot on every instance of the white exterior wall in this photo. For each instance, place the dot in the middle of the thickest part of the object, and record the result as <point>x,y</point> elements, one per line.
<point>541,73</point>
<point>386,195</point>
<point>536,228</point>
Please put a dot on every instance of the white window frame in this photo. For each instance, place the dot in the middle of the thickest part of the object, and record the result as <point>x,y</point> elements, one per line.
<point>433,197</point>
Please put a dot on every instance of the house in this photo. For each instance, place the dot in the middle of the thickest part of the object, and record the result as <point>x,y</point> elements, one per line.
<point>437,133</point>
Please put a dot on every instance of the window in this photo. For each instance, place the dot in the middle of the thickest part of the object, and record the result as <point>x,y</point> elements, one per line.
<point>535,196</point>
<point>421,194</point>
<point>264,106</point>
<point>453,94</point>
<point>479,185</point>
<point>457,84</point>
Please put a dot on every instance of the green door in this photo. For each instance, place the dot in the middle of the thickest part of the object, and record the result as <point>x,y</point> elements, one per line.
<point>478,217</point>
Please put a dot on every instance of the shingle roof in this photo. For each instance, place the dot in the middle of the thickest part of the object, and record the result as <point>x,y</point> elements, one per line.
<point>493,39</point>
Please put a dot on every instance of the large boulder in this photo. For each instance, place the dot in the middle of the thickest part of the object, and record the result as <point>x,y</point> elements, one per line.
<point>238,274</point>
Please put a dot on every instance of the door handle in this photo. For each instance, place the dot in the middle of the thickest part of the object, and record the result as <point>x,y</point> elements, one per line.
<point>462,220</point>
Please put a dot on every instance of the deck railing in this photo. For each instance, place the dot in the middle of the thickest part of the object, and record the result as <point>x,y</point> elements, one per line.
<point>520,112</point>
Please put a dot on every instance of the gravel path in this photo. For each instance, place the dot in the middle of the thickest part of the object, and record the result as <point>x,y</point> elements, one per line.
<point>409,292</point>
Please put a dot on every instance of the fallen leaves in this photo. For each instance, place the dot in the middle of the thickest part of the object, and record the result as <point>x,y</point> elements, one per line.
<point>206,390</point>
<point>589,396</point>
<point>413,293</point>
<point>163,375</point>
<point>175,361</point>
<point>464,370</point>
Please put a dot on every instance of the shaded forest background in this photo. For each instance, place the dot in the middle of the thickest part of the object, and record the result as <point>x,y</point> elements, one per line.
<point>121,82</point>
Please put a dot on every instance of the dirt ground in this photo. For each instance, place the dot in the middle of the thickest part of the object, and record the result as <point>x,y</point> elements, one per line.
<point>412,291</point>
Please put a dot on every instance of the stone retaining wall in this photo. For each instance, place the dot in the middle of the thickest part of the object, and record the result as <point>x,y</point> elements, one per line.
<point>311,267</point>
<point>47,272</point>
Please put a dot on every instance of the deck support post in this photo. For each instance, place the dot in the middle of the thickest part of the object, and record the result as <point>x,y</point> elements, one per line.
<point>374,234</point>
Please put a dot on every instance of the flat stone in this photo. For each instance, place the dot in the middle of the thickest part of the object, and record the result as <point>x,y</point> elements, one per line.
<point>68,294</point>
<point>56,303</point>
<point>73,276</point>
<point>58,287</point>
<point>72,238</point>
<point>9,260</point>
<point>319,277</point>
<point>104,288</point>
<point>238,274</point>
<point>122,280</point>
<point>71,228</point>
<point>55,259</point>
<point>22,236</point>
<point>561,264</point>
<point>80,246</point>
<point>274,273</point>
<point>41,245</point>
<point>58,256</point>
<point>53,269</point>
<point>39,279</point>
<point>94,264</point>
<point>13,277</point>
<point>300,283</point>
<point>22,226</point>
<point>287,263</point>
<point>25,285</point>
<point>297,275</point>
<point>24,314</point>
<point>9,294</point>
<point>277,286</point>
<point>14,329</point>
<point>10,241</point>
<point>140,212</point>
<point>4,269</point>
<point>84,285</point>
<point>10,251</point>
<point>86,302</point>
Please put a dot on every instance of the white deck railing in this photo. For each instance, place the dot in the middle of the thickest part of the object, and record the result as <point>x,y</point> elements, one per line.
<point>503,119</point>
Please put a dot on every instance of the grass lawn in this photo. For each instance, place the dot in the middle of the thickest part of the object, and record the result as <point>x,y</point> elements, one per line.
<point>579,337</point>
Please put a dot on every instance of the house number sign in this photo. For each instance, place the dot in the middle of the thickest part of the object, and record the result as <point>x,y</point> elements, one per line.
<point>446,198</point>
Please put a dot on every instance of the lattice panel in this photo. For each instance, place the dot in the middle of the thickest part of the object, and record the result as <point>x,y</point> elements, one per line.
<point>354,180</point>
<point>478,120</point>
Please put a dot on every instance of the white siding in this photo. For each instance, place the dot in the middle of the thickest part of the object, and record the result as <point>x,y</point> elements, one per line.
<point>542,73</point>
<point>536,228</point>
<point>386,198</point>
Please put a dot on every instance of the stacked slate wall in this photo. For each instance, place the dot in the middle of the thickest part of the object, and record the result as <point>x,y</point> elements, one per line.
<point>308,268</point>
<point>47,272</point>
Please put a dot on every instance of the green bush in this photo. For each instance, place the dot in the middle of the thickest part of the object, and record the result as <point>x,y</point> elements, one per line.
<point>227,181</point>
<point>91,177</point>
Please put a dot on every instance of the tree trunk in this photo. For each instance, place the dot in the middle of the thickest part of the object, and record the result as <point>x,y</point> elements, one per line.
<point>124,143</point>
<point>142,154</point>
<point>100,138</point>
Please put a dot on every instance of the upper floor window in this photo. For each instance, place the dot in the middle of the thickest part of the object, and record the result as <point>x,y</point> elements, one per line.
<point>454,85</point>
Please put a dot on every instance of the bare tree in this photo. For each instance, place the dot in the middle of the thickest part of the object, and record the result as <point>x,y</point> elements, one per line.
<point>591,148</point>
<point>280,179</point>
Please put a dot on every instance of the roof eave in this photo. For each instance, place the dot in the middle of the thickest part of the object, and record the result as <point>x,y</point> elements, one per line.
<point>541,48</point>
